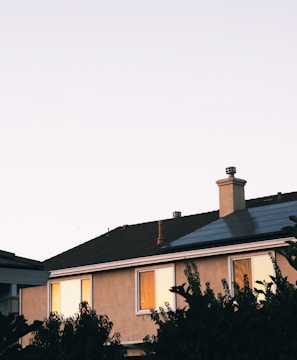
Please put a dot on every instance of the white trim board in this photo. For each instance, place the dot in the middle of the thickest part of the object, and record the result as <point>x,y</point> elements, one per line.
<point>169,257</point>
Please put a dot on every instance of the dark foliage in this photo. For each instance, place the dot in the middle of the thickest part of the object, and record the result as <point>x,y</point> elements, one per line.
<point>84,337</point>
<point>230,326</point>
<point>290,252</point>
<point>12,328</point>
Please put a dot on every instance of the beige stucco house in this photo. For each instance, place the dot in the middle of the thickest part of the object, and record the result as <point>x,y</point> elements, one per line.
<point>127,271</point>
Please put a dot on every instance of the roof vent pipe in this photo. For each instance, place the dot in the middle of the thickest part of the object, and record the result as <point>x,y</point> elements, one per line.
<point>176,214</point>
<point>160,232</point>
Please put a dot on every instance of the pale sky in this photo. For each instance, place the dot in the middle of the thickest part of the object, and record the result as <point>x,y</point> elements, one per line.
<point>121,112</point>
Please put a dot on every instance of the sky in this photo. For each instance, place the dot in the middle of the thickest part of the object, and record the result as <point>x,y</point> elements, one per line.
<point>121,112</point>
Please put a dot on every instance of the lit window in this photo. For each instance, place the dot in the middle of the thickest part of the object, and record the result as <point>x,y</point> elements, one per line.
<point>66,295</point>
<point>153,288</point>
<point>256,267</point>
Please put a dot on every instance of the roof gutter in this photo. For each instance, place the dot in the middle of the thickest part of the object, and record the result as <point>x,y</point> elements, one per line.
<point>163,258</point>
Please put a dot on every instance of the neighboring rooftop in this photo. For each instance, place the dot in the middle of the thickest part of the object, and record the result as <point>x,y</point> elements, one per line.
<point>140,240</point>
<point>21,271</point>
<point>10,260</point>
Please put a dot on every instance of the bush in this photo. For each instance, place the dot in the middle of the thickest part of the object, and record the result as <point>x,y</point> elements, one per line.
<point>84,337</point>
<point>227,327</point>
<point>12,328</point>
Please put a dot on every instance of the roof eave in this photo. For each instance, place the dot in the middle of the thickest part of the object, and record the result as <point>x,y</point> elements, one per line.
<point>23,277</point>
<point>173,256</point>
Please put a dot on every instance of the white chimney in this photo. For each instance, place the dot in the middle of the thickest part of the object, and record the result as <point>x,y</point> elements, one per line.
<point>231,193</point>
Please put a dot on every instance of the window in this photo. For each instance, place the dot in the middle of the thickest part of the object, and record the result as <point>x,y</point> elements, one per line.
<point>256,267</point>
<point>66,295</point>
<point>153,288</point>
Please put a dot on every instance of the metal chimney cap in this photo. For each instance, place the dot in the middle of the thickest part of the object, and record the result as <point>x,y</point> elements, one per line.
<point>231,170</point>
<point>176,214</point>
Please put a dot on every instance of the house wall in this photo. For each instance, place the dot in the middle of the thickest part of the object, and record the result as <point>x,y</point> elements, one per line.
<point>286,268</point>
<point>211,269</point>
<point>118,298</point>
<point>33,305</point>
<point>114,294</point>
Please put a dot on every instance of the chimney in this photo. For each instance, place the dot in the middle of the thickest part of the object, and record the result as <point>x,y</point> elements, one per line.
<point>160,233</point>
<point>231,192</point>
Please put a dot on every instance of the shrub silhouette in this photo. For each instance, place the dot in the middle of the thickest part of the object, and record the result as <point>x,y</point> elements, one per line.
<point>83,337</point>
<point>229,326</point>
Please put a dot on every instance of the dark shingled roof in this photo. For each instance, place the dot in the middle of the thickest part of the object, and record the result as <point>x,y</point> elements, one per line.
<point>10,260</point>
<point>133,241</point>
<point>21,271</point>
<point>128,242</point>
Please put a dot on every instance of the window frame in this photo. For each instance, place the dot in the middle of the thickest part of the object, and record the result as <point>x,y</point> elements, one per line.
<point>244,256</point>
<point>139,311</point>
<point>61,280</point>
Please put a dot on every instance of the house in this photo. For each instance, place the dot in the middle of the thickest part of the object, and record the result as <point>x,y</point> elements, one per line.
<point>128,271</point>
<point>17,273</point>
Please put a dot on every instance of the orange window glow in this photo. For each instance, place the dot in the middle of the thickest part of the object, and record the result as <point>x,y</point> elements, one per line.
<point>147,290</point>
<point>55,298</point>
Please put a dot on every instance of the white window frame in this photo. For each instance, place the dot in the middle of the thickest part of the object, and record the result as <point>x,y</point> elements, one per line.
<point>137,289</point>
<point>61,280</point>
<point>252,281</point>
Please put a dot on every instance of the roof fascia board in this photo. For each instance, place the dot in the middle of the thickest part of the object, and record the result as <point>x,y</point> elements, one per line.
<point>23,276</point>
<point>168,257</point>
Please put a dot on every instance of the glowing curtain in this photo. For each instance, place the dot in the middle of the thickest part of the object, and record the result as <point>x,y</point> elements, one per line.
<point>55,299</point>
<point>240,268</point>
<point>147,290</point>
<point>86,291</point>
